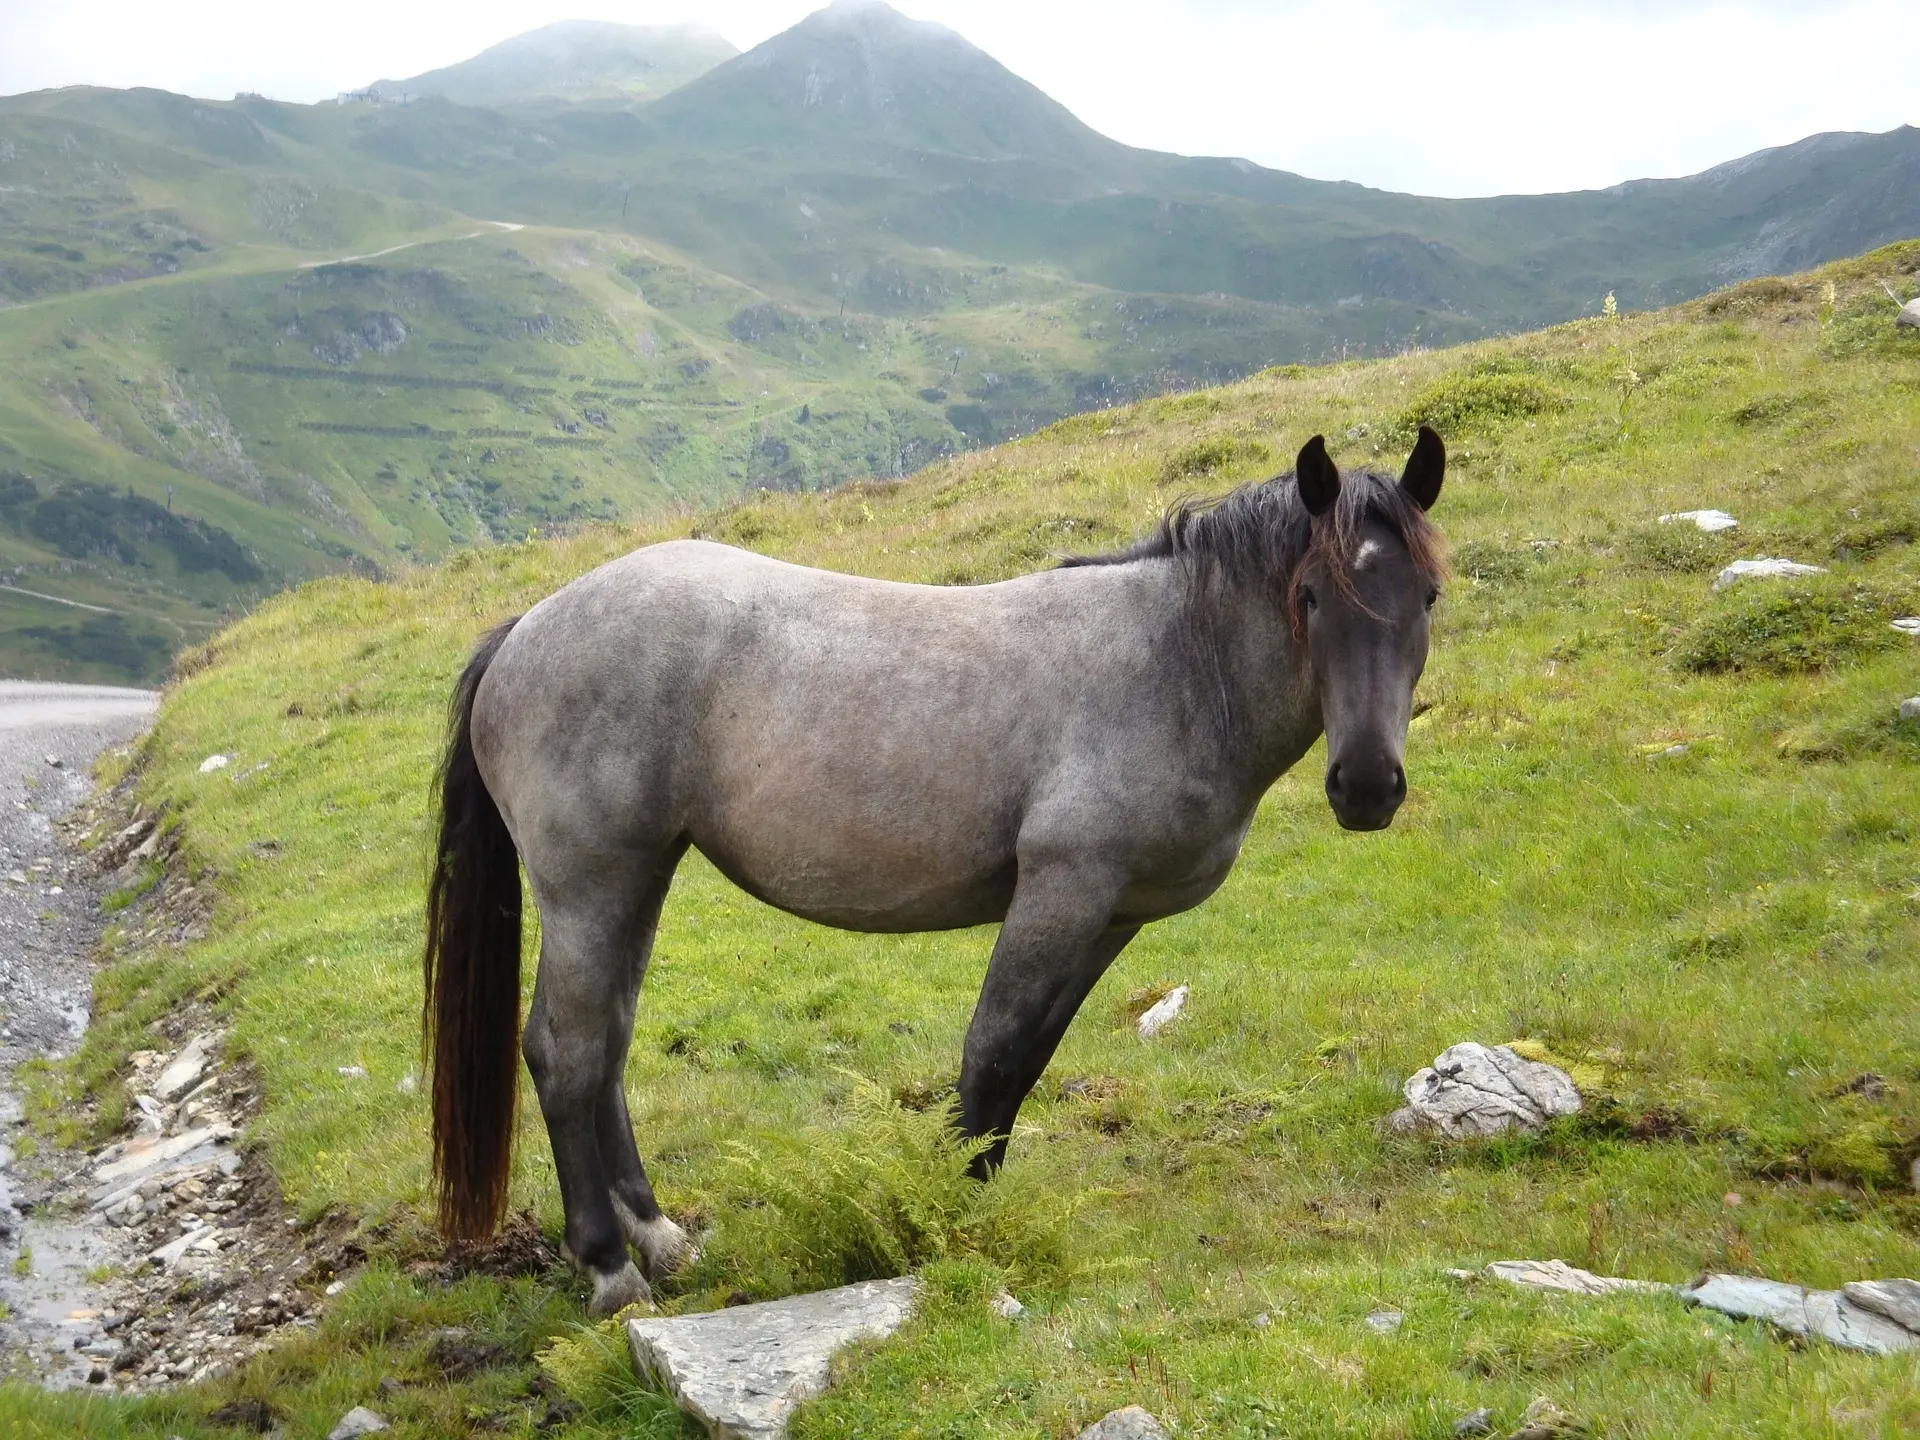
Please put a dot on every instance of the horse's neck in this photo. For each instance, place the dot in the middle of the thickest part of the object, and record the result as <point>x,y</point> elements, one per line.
<point>1266,711</point>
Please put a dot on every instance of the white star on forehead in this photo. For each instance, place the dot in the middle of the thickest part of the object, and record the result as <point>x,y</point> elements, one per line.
<point>1368,549</point>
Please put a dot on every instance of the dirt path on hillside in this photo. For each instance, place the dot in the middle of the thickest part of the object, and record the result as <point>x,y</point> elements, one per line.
<point>49,921</point>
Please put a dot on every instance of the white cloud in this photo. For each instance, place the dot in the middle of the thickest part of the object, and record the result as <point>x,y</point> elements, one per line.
<point>1445,97</point>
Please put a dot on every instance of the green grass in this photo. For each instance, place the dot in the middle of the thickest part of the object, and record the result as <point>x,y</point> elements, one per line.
<point>1699,885</point>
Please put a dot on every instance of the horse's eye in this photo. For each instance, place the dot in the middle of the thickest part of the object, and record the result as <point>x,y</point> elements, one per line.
<point>1432,596</point>
<point>1308,598</point>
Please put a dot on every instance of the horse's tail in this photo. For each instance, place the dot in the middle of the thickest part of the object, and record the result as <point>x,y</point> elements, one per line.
<point>471,1018</point>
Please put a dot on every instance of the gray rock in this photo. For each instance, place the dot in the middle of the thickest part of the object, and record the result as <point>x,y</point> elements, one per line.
<point>1474,1422</point>
<point>1910,710</point>
<point>1132,1423</point>
<point>1565,1278</point>
<point>1823,1314</point>
<point>1897,1300</point>
<point>186,1068</point>
<point>357,1422</point>
<point>742,1372</point>
<point>1474,1089</point>
<point>1909,313</point>
<point>1385,1322</point>
<point>1767,567</point>
<point>1008,1308</point>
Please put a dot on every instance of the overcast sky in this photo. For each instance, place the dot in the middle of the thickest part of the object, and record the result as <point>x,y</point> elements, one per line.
<point>1440,97</point>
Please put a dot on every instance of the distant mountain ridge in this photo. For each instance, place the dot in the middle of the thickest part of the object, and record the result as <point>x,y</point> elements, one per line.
<point>343,335</point>
<point>573,60</point>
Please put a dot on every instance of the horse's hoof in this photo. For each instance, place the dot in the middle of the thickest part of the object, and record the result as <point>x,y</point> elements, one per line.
<point>664,1246</point>
<point>613,1293</point>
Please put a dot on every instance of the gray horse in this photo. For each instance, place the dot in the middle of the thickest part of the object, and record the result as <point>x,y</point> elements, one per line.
<point>1071,753</point>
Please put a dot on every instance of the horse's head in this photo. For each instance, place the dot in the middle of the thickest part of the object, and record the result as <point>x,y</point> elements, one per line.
<point>1362,598</point>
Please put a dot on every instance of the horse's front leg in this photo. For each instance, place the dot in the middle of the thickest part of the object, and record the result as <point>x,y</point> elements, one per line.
<point>1058,939</point>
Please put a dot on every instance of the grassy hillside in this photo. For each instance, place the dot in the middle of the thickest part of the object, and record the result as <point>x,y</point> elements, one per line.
<point>860,247</point>
<point>1664,833</point>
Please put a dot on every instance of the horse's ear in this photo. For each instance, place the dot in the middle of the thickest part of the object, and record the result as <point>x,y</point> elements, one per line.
<point>1426,468</point>
<point>1317,477</point>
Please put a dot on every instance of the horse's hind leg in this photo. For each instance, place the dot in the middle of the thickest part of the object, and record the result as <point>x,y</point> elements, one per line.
<point>663,1245</point>
<point>592,928</point>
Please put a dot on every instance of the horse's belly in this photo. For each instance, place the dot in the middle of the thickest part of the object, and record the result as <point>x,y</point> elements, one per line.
<point>861,881</point>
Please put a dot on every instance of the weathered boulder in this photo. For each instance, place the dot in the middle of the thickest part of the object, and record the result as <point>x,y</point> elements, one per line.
<point>1910,710</point>
<point>742,1372</point>
<point>1909,313</point>
<point>357,1422</point>
<point>1474,1089</point>
<point>1132,1423</point>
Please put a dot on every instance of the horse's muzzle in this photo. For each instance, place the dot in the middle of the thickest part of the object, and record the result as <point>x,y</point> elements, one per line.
<point>1363,796</point>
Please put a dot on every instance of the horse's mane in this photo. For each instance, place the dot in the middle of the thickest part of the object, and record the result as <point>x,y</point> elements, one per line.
<point>1261,532</point>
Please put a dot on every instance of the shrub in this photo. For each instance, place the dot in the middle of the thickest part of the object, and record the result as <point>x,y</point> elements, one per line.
<point>1215,452</point>
<point>1782,628</point>
<point>1490,562</point>
<point>880,1197</point>
<point>1679,548</point>
<point>1463,404</point>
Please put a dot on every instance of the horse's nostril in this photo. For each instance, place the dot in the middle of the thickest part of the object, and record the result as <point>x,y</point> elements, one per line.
<point>1334,787</point>
<point>1399,780</point>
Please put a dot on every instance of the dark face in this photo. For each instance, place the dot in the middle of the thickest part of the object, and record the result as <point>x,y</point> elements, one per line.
<point>1367,650</point>
<point>1367,642</point>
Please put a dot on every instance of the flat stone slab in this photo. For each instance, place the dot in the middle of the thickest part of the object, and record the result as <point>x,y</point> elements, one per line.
<point>1565,1278</point>
<point>1897,1300</point>
<point>1710,521</point>
<point>1767,567</point>
<point>1473,1089</point>
<point>742,1372</point>
<point>1823,1314</point>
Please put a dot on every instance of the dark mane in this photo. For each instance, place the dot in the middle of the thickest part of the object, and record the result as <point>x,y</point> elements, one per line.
<point>1261,531</point>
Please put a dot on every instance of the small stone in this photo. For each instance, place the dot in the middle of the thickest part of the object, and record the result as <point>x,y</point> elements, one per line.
<point>1711,521</point>
<point>1910,708</point>
<point>1132,1423</point>
<point>1908,625</point>
<point>1008,1308</point>
<point>357,1422</point>
<point>1162,1013</point>
<point>1544,1420</point>
<point>1263,1321</point>
<point>207,767</point>
<point>1385,1322</point>
<point>1474,1422</point>
<point>351,1072</point>
<point>335,1287</point>
<point>97,1375</point>
<point>1767,567</point>
<point>55,762</point>
<point>186,1069</point>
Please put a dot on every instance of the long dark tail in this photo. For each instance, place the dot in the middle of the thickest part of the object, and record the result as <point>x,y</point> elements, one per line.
<point>471,1018</point>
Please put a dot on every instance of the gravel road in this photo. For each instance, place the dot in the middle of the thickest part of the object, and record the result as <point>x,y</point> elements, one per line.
<point>49,920</point>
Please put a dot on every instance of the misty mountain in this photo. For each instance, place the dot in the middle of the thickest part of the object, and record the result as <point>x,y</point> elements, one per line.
<point>573,61</point>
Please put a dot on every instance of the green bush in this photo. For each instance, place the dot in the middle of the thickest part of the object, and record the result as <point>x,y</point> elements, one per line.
<point>1465,404</point>
<point>1763,625</point>
<point>1490,562</point>
<point>1215,452</point>
<point>880,1197</point>
<point>1679,548</point>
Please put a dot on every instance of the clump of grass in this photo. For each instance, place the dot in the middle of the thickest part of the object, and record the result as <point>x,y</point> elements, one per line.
<point>1214,453</point>
<point>1468,404</point>
<point>881,1196</point>
<point>1784,629</point>
<point>1678,549</point>
<point>593,1367</point>
<point>1490,562</point>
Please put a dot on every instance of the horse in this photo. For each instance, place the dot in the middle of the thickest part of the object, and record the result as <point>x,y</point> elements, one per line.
<point>1073,754</point>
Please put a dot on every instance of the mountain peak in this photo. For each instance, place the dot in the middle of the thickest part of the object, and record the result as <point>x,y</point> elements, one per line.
<point>861,67</point>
